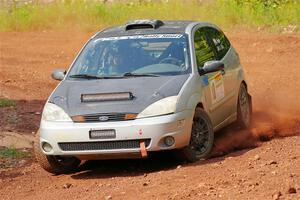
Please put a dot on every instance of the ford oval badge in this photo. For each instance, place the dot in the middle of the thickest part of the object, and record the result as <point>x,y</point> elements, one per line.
<point>103,118</point>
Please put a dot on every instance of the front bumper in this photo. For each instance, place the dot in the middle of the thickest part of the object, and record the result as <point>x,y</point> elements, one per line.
<point>156,129</point>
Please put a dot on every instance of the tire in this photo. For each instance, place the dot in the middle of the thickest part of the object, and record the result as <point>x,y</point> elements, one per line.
<point>202,139</point>
<point>54,164</point>
<point>244,108</point>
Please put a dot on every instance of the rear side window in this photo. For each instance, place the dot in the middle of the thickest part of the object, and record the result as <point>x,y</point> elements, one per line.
<point>203,51</point>
<point>220,42</point>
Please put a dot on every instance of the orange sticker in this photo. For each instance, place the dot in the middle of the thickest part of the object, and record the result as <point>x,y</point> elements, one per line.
<point>218,77</point>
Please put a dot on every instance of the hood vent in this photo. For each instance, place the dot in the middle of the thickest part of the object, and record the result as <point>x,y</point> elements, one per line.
<point>120,96</point>
<point>143,24</point>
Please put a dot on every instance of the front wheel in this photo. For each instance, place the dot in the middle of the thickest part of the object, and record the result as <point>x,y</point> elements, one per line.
<point>202,138</point>
<point>54,164</point>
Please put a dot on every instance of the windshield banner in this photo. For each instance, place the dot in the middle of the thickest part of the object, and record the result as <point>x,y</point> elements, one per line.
<point>141,37</point>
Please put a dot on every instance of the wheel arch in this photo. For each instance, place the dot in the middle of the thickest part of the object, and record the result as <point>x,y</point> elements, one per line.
<point>195,101</point>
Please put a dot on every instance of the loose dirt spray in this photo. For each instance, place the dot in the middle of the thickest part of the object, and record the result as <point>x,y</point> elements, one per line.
<point>274,119</point>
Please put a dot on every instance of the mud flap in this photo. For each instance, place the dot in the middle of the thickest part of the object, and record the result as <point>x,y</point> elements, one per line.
<point>143,149</point>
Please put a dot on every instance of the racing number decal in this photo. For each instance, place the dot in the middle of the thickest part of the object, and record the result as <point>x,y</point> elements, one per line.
<point>217,88</point>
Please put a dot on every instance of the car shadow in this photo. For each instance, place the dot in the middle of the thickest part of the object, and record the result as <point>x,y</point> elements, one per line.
<point>102,169</point>
<point>126,167</point>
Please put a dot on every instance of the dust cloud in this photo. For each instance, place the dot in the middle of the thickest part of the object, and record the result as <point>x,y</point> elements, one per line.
<point>274,116</point>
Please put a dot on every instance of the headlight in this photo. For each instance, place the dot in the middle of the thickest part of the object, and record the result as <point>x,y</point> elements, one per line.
<point>161,107</point>
<point>53,112</point>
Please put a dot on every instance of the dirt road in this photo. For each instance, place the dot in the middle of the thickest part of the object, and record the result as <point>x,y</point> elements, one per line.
<point>244,166</point>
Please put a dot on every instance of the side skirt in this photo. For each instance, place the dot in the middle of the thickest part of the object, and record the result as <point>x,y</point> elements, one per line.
<point>232,118</point>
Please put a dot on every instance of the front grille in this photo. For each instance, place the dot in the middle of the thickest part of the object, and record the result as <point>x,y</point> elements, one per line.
<point>103,145</point>
<point>104,117</point>
<point>110,117</point>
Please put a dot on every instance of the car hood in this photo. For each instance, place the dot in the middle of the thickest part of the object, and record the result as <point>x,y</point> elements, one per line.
<point>145,90</point>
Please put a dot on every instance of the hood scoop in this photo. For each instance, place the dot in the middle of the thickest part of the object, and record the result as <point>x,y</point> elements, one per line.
<point>100,97</point>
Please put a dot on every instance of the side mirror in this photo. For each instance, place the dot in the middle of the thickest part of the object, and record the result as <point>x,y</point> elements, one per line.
<point>58,74</point>
<point>211,66</point>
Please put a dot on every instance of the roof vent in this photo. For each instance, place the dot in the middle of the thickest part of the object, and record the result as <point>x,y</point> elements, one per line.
<point>143,24</point>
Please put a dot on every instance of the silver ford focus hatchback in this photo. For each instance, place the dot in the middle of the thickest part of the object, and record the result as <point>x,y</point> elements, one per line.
<point>145,86</point>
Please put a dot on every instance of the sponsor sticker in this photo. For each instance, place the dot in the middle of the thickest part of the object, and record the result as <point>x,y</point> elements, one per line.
<point>205,81</point>
<point>217,88</point>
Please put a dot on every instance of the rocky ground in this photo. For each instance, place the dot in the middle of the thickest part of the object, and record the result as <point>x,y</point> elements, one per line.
<point>260,163</point>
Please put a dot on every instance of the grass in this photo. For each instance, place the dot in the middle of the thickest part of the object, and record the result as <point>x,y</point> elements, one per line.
<point>92,15</point>
<point>12,153</point>
<point>6,103</point>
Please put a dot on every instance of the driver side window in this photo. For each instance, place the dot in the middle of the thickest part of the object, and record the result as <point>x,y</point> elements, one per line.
<point>203,50</point>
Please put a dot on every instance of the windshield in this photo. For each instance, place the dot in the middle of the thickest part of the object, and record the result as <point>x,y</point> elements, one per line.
<point>156,55</point>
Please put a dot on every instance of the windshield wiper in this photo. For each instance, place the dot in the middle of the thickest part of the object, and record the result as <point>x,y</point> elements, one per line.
<point>127,74</point>
<point>90,76</point>
<point>130,74</point>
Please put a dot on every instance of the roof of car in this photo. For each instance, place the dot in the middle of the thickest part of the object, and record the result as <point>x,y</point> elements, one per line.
<point>139,27</point>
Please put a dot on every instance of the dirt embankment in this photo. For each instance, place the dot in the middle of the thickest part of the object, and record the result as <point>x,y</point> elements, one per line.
<point>268,171</point>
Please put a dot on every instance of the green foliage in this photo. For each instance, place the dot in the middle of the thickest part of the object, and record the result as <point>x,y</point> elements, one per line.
<point>267,3</point>
<point>267,13</point>
<point>94,15</point>
<point>12,153</point>
<point>7,103</point>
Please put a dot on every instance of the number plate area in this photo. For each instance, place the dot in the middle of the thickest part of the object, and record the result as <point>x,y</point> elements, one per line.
<point>103,134</point>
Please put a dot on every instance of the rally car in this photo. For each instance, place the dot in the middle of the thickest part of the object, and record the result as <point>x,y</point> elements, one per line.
<point>145,86</point>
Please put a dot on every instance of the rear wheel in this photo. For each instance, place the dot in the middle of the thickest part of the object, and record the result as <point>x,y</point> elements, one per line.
<point>54,164</point>
<point>244,108</point>
<point>202,138</point>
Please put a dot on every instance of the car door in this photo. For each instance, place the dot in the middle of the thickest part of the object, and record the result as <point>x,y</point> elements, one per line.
<point>225,53</point>
<point>213,87</point>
